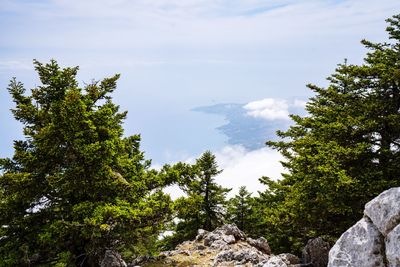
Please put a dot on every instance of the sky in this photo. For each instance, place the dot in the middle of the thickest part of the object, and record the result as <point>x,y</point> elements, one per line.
<point>196,75</point>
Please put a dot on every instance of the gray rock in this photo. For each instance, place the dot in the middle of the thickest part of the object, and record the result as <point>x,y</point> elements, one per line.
<point>229,239</point>
<point>384,210</point>
<point>210,238</point>
<point>219,245</point>
<point>226,234</point>
<point>242,256</point>
<point>224,256</point>
<point>290,258</point>
<point>112,259</point>
<point>361,245</point>
<point>231,229</point>
<point>275,261</point>
<point>393,247</point>
<point>248,256</point>
<point>316,252</point>
<point>201,234</point>
<point>260,243</point>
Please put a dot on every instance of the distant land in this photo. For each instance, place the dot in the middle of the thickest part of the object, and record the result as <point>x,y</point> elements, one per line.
<point>244,129</point>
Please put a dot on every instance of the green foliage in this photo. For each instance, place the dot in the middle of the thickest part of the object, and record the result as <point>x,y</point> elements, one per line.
<point>75,186</point>
<point>205,204</point>
<point>241,211</point>
<point>342,154</point>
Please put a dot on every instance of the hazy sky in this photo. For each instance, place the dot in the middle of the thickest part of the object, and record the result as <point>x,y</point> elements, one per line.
<point>178,55</point>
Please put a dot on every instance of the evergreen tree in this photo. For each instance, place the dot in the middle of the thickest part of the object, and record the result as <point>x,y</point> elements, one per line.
<point>75,186</point>
<point>205,204</point>
<point>241,210</point>
<point>342,154</point>
<point>214,195</point>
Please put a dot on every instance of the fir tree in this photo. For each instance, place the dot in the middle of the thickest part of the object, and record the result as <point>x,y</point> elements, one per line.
<point>343,153</point>
<point>205,204</point>
<point>75,186</point>
<point>241,210</point>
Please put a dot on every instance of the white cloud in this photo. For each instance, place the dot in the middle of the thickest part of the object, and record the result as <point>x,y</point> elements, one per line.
<point>128,24</point>
<point>269,109</point>
<point>242,167</point>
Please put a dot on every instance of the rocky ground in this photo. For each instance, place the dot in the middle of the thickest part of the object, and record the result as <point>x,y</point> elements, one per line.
<point>225,246</point>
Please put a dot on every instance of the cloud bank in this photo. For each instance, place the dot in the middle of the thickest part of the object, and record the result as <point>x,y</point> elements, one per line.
<point>242,167</point>
<point>269,109</point>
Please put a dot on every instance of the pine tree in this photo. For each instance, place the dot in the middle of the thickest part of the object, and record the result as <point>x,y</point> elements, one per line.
<point>343,153</point>
<point>214,195</point>
<point>75,186</point>
<point>241,210</point>
<point>205,204</point>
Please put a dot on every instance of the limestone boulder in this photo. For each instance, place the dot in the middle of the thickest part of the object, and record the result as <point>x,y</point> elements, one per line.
<point>374,240</point>
<point>360,245</point>
<point>392,245</point>
<point>384,210</point>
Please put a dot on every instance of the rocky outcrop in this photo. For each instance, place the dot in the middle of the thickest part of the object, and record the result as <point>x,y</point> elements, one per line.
<point>359,246</point>
<point>375,239</point>
<point>225,246</point>
<point>384,210</point>
<point>392,244</point>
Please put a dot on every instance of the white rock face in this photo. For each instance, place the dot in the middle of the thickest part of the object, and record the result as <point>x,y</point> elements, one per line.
<point>361,245</point>
<point>384,210</point>
<point>393,247</point>
<point>374,240</point>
